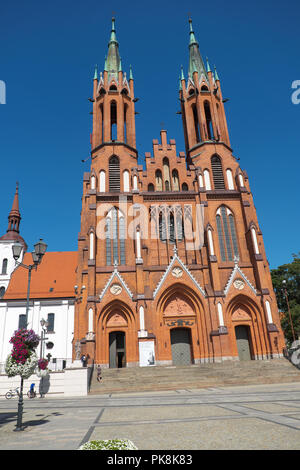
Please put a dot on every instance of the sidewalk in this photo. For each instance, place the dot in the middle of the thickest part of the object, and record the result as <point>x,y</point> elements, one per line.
<point>252,417</point>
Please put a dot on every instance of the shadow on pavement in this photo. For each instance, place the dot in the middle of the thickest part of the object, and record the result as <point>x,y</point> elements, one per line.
<point>7,418</point>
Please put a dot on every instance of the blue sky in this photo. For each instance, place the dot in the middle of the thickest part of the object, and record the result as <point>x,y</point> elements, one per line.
<point>48,54</point>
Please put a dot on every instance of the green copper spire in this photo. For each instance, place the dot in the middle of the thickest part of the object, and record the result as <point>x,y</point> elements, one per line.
<point>113,57</point>
<point>120,65</point>
<point>113,37</point>
<point>207,65</point>
<point>192,35</point>
<point>180,86</point>
<point>182,74</point>
<point>130,73</point>
<point>96,73</point>
<point>216,74</point>
<point>195,59</point>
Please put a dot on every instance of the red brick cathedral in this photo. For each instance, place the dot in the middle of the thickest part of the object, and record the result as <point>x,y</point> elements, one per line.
<point>172,267</point>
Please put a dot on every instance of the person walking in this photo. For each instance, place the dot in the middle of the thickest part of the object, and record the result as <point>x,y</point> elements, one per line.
<point>99,373</point>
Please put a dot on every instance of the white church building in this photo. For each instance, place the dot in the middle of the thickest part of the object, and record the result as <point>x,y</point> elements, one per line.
<point>52,296</point>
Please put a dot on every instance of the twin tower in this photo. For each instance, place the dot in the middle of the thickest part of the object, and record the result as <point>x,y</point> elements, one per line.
<point>171,261</point>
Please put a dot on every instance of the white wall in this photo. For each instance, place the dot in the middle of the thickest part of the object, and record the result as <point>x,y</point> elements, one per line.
<point>6,252</point>
<point>70,382</point>
<point>63,326</point>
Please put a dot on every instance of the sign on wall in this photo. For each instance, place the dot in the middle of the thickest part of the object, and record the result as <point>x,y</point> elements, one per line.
<point>147,355</point>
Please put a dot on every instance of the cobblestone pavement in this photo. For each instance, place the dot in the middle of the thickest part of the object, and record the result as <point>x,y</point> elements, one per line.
<point>243,417</point>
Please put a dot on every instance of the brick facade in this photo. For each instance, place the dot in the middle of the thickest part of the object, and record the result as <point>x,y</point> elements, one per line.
<point>160,277</point>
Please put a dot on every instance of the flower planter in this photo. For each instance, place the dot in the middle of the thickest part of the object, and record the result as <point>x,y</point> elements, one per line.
<point>110,444</point>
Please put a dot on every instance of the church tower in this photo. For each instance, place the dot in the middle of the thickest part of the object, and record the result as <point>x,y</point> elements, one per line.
<point>12,235</point>
<point>171,262</point>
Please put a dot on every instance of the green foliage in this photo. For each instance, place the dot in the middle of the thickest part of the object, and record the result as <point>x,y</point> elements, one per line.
<point>291,274</point>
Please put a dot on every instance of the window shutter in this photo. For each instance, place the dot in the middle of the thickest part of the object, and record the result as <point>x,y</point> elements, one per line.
<point>217,171</point>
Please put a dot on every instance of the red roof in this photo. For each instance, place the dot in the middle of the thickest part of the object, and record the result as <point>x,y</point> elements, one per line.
<point>55,277</point>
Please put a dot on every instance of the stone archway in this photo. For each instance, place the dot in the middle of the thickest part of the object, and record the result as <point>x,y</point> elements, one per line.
<point>116,336</point>
<point>247,334</point>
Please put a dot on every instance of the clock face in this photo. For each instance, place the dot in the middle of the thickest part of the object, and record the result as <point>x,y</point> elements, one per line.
<point>239,284</point>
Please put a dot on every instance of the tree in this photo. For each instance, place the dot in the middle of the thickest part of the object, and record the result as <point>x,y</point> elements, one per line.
<point>288,293</point>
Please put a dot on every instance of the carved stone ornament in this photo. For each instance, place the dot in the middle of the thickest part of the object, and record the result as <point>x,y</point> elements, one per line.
<point>116,289</point>
<point>90,336</point>
<point>239,284</point>
<point>177,272</point>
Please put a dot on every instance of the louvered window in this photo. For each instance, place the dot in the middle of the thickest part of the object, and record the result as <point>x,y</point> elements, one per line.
<point>114,174</point>
<point>217,171</point>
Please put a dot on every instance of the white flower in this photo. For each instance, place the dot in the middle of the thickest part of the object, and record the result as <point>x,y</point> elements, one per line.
<point>24,370</point>
<point>110,444</point>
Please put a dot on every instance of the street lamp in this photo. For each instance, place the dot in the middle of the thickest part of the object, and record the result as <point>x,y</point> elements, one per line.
<point>37,255</point>
<point>44,325</point>
<point>288,305</point>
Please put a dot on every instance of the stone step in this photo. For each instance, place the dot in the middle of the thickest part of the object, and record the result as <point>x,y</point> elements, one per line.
<point>195,376</point>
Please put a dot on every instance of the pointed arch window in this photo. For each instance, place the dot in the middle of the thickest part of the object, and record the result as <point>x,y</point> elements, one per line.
<point>226,234</point>
<point>126,181</point>
<point>217,170</point>
<point>4,266</point>
<point>2,292</point>
<point>166,170</point>
<point>114,174</point>
<point>209,127</point>
<point>158,180</point>
<point>171,224</point>
<point>196,123</point>
<point>175,180</point>
<point>113,120</point>
<point>115,237</point>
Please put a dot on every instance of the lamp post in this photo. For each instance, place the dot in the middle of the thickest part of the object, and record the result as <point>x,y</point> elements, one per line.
<point>288,305</point>
<point>37,255</point>
<point>44,325</point>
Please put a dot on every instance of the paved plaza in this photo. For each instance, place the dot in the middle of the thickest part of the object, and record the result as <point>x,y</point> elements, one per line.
<point>239,418</point>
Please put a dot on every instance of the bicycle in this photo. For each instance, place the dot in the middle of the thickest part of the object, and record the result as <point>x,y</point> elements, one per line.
<point>12,393</point>
<point>15,392</point>
<point>31,392</point>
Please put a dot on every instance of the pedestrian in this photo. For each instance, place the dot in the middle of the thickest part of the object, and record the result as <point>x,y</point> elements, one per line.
<point>99,373</point>
<point>83,360</point>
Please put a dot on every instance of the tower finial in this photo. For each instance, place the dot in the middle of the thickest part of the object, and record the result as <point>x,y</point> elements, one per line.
<point>96,72</point>
<point>130,73</point>
<point>216,74</point>
<point>182,74</point>
<point>207,65</point>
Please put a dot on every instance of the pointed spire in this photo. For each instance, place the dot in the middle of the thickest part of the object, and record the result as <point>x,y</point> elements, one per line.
<point>130,73</point>
<point>14,215</point>
<point>195,59</point>
<point>192,34</point>
<point>207,65</point>
<point>14,218</point>
<point>216,74</point>
<point>96,72</point>
<point>120,65</point>
<point>113,36</point>
<point>180,86</point>
<point>113,58</point>
<point>182,74</point>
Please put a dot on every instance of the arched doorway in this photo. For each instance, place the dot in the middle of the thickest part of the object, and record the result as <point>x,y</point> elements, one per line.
<point>242,334</point>
<point>117,349</point>
<point>181,346</point>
